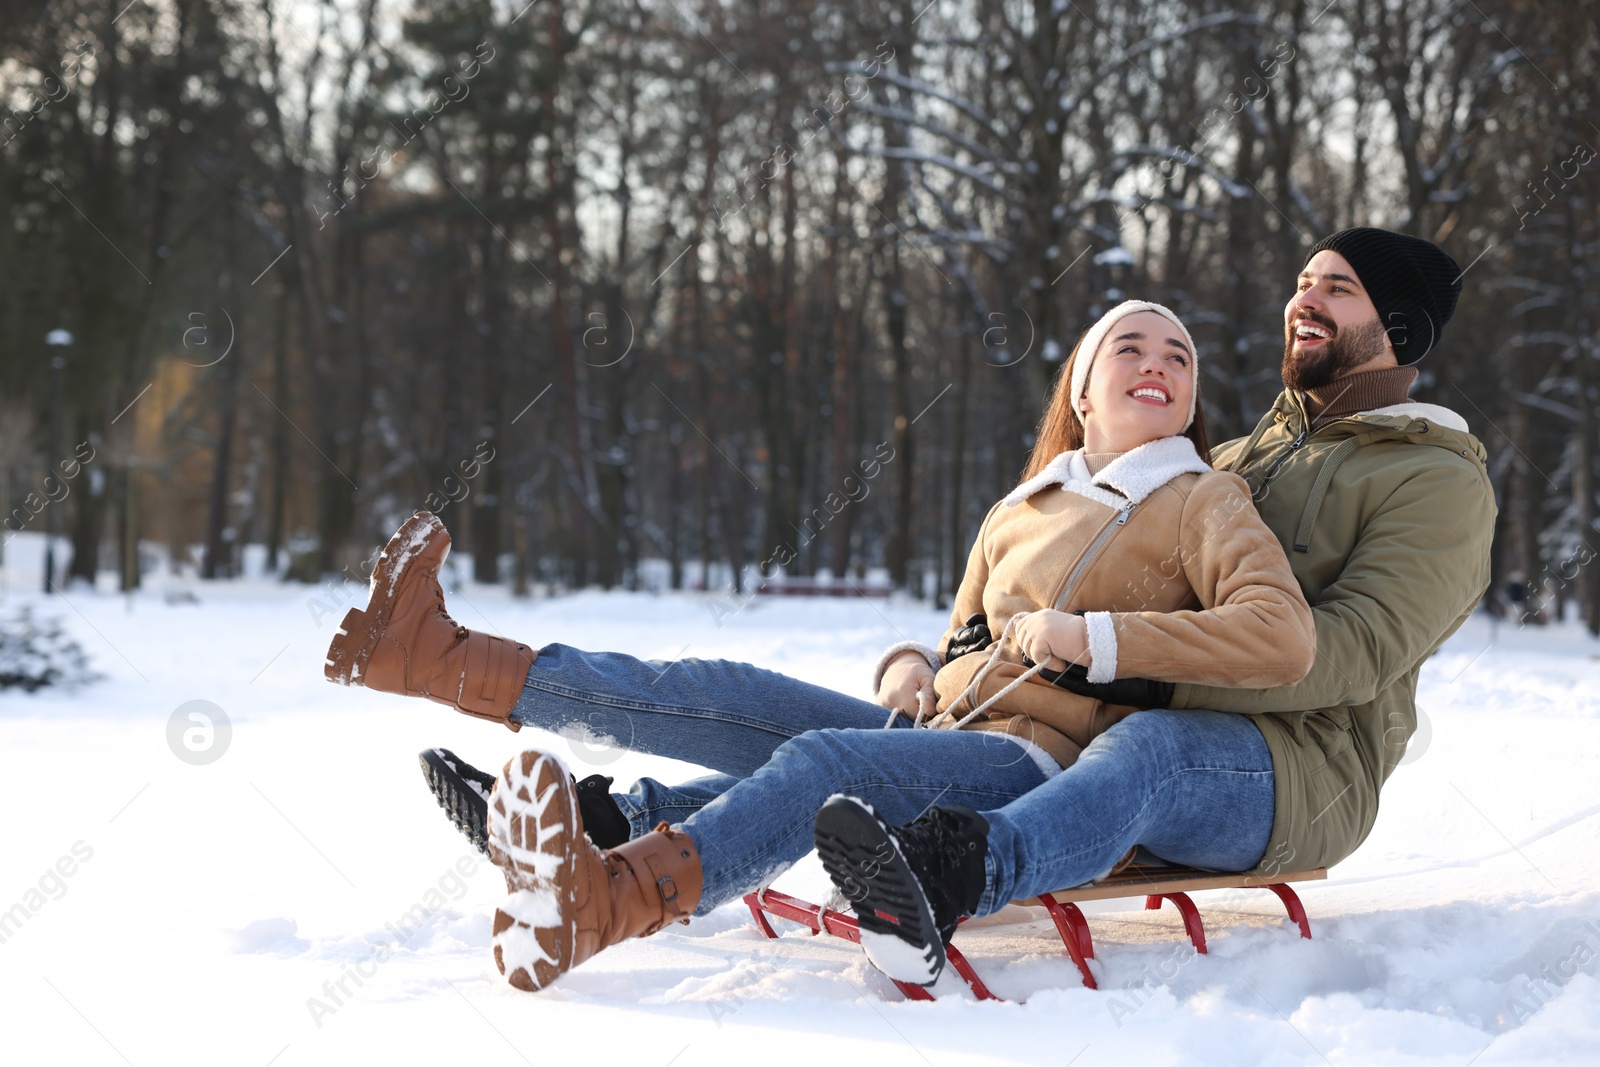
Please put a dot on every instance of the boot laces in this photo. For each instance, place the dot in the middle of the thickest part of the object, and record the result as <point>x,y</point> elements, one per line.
<point>438,594</point>
<point>941,847</point>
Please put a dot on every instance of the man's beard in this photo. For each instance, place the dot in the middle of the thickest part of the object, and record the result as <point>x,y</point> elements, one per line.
<point>1337,356</point>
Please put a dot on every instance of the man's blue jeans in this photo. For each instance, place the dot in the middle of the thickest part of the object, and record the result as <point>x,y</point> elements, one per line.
<point>1193,787</point>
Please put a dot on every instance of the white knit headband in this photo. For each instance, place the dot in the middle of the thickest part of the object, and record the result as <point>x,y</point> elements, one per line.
<point>1097,334</point>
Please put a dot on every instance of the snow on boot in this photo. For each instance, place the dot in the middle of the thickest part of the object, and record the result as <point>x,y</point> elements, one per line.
<point>908,885</point>
<point>405,642</point>
<point>462,790</point>
<point>567,898</point>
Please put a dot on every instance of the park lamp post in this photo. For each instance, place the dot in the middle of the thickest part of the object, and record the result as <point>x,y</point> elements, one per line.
<point>57,338</point>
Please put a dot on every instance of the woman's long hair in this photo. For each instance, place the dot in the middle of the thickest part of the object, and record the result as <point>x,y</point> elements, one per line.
<point>1061,428</point>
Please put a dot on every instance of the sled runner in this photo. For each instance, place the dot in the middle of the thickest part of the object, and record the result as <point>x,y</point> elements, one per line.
<point>1156,883</point>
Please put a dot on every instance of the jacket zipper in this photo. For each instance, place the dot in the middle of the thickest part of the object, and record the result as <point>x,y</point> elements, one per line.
<point>1093,550</point>
<point>1294,446</point>
<point>1272,472</point>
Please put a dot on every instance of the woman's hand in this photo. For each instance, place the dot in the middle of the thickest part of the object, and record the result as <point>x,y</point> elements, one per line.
<point>1054,638</point>
<point>907,679</point>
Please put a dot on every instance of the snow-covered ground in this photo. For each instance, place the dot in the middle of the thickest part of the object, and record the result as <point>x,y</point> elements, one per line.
<point>155,911</point>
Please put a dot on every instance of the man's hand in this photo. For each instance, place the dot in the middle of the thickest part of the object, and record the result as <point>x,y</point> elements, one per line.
<point>1123,692</point>
<point>1054,638</point>
<point>974,636</point>
<point>907,680</point>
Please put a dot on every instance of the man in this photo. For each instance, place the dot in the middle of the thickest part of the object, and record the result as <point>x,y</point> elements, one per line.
<point>1385,510</point>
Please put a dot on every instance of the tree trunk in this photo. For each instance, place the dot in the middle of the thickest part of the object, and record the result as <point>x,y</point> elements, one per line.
<point>219,560</point>
<point>130,529</point>
<point>280,429</point>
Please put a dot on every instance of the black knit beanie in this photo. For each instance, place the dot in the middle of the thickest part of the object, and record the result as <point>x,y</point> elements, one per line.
<point>1413,283</point>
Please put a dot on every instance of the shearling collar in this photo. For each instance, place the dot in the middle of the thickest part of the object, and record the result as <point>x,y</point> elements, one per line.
<point>1415,409</point>
<point>1129,478</point>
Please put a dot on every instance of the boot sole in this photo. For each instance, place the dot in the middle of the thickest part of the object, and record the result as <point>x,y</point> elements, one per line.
<point>359,631</point>
<point>459,796</point>
<point>897,927</point>
<point>534,826</point>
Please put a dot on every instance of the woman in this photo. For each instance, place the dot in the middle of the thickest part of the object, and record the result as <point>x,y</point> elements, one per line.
<point>1119,518</point>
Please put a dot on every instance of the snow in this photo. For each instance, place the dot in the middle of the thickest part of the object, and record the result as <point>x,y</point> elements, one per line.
<point>1116,256</point>
<point>301,899</point>
<point>912,963</point>
<point>531,910</point>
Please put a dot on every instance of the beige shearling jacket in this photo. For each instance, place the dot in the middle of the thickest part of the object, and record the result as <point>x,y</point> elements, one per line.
<point>1178,577</point>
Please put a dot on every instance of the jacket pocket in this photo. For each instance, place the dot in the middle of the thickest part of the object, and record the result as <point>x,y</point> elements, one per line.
<point>1327,730</point>
<point>1339,717</point>
<point>1323,734</point>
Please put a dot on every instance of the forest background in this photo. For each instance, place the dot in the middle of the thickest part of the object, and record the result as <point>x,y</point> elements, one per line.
<point>679,293</point>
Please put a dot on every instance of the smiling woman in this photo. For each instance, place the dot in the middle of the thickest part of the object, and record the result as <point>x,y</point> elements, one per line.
<point>1144,385</point>
<point>1148,348</point>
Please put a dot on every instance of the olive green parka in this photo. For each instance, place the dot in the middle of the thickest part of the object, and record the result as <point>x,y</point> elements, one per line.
<point>1387,518</point>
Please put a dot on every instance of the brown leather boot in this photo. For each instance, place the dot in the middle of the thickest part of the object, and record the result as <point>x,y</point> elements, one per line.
<point>569,899</point>
<point>405,642</point>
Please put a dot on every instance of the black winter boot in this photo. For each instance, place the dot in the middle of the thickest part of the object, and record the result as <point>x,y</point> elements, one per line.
<point>603,821</point>
<point>462,790</point>
<point>908,885</point>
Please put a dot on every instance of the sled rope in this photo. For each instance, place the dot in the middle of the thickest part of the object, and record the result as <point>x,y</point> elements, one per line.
<point>973,687</point>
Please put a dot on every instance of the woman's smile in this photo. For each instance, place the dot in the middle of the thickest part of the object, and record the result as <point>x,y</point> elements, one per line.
<point>1151,393</point>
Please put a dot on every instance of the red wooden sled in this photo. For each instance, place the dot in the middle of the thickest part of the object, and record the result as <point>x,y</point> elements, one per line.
<point>1155,884</point>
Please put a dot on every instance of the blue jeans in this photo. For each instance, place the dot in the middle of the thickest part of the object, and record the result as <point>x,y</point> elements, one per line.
<point>1193,787</point>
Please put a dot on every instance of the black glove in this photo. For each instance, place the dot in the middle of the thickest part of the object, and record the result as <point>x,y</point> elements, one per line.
<point>1123,692</point>
<point>973,637</point>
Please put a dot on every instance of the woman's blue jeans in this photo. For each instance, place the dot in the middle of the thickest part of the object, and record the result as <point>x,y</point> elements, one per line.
<point>1192,787</point>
